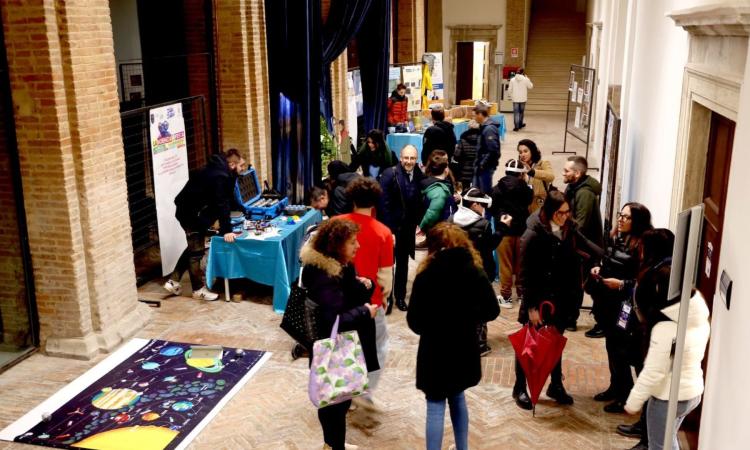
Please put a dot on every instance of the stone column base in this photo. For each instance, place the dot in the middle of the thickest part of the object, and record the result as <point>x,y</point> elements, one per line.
<point>87,347</point>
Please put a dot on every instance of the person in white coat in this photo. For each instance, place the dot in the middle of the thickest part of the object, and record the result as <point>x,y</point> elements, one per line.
<point>518,89</point>
<point>660,316</point>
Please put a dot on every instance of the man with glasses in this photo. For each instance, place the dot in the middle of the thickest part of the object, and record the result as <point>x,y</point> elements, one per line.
<point>399,209</point>
<point>583,194</point>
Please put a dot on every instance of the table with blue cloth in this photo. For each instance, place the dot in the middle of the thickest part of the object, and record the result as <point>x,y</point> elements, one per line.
<point>273,261</point>
<point>460,127</point>
<point>397,141</point>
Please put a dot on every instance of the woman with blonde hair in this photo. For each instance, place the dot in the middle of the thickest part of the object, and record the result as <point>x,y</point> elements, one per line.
<point>448,359</point>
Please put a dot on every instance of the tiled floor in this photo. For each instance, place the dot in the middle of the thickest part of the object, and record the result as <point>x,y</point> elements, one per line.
<point>273,412</point>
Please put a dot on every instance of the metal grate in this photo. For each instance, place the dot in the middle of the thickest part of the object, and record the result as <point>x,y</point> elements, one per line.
<point>139,171</point>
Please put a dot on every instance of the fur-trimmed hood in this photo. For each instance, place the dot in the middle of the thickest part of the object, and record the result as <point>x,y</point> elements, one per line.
<point>309,256</point>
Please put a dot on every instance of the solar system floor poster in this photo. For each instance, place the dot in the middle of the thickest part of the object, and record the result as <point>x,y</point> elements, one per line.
<point>156,397</point>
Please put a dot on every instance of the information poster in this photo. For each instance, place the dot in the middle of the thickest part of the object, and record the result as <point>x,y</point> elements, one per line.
<point>436,71</point>
<point>413,81</point>
<point>170,162</point>
<point>394,78</point>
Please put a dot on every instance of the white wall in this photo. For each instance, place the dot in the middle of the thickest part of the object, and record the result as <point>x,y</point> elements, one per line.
<point>650,112</point>
<point>471,12</point>
<point>725,417</point>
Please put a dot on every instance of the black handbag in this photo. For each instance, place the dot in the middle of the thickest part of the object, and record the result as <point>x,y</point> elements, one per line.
<point>301,318</point>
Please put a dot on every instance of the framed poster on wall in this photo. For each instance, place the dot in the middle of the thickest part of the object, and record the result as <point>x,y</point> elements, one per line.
<point>610,151</point>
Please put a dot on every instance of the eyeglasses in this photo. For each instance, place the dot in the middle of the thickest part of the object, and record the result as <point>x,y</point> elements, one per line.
<point>623,217</point>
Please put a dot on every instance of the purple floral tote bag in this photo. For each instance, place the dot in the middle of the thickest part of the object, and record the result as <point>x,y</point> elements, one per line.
<point>338,371</point>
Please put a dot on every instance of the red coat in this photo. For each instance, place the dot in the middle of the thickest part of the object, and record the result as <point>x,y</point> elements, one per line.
<point>397,111</point>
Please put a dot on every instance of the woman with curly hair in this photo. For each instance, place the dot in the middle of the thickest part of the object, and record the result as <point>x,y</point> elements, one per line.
<point>448,360</point>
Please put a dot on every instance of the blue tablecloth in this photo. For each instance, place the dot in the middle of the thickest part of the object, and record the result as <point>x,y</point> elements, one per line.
<point>460,127</point>
<point>273,261</point>
<point>397,141</point>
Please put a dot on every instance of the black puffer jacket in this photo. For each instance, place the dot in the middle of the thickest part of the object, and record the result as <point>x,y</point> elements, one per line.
<point>621,262</point>
<point>480,232</point>
<point>466,154</point>
<point>550,270</point>
<point>337,291</point>
<point>207,197</point>
<point>439,136</point>
<point>512,196</point>
<point>339,202</point>
<point>448,357</point>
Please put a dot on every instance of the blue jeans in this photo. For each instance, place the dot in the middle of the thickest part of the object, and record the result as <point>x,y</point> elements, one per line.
<point>656,417</point>
<point>436,419</point>
<point>483,180</point>
<point>518,109</point>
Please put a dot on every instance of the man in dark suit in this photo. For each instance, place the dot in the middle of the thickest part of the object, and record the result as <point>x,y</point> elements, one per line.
<point>400,210</point>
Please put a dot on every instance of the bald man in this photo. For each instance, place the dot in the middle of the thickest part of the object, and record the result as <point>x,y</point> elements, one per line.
<point>400,209</point>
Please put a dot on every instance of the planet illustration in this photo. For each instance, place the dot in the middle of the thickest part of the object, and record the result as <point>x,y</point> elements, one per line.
<point>122,418</point>
<point>112,399</point>
<point>182,406</point>
<point>147,437</point>
<point>209,365</point>
<point>150,416</point>
<point>150,365</point>
<point>172,350</point>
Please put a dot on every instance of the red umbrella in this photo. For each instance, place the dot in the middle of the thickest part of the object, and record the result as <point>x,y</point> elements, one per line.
<point>538,351</point>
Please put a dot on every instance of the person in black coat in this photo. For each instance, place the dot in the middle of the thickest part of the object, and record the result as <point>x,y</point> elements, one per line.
<point>466,154</point>
<point>451,296</point>
<point>550,271</point>
<point>440,136</point>
<point>400,210</point>
<point>331,282</point>
<point>339,177</point>
<point>207,197</point>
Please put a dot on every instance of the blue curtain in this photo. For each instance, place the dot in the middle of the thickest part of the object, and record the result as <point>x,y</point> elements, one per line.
<point>294,52</point>
<point>344,20</point>
<point>373,44</point>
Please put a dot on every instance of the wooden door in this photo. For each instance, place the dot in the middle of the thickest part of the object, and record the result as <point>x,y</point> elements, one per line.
<point>718,162</point>
<point>464,70</point>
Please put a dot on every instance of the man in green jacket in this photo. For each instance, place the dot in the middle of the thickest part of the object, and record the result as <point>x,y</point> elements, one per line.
<point>583,194</point>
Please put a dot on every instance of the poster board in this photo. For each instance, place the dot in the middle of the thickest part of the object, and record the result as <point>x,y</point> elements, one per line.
<point>351,110</point>
<point>436,72</point>
<point>412,76</point>
<point>170,164</point>
<point>581,83</point>
<point>610,152</point>
<point>394,78</point>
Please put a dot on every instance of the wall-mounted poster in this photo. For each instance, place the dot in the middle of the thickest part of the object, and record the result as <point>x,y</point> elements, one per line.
<point>436,71</point>
<point>170,162</point>
<point>413,80</point>
<point>394,78</point>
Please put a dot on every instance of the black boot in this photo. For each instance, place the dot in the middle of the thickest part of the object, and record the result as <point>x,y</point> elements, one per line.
<point>401,304</point>
<point>633,431</point>
<point>616,407</point>
<point>606,396</point>
<point>522,399</point>
<point>389,308</point>
<point>595,332</point>
<point>558,394</point>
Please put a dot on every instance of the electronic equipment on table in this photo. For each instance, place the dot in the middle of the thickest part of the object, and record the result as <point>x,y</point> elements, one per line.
<point>258,205</point>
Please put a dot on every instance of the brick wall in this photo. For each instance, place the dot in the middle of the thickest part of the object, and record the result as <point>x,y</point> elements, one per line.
<point>338,87</point>
<point>411,32</point>
<point>63,83</point>
<point>242,81</point>
<point>515,31</point>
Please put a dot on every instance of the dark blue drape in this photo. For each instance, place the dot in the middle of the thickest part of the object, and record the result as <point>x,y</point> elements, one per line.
<point>373,44</point>
<point>344,20</point>
<point>294,51</point>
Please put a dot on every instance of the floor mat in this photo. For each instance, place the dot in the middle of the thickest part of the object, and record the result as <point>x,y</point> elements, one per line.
<point>149,394</point>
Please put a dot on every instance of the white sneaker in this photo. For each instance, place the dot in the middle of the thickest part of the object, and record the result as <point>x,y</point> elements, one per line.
<point>504,302</point>
<point>205,294</point>
<point>350,446</point>
<point>173,287</point>
<point>452,447</point>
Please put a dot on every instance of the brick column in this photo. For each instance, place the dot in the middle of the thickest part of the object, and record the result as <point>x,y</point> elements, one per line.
<point>338,87</point>
<point>515,31</point>
<point>411,35</point>
<point>242,79</point>
<point>63,83</point>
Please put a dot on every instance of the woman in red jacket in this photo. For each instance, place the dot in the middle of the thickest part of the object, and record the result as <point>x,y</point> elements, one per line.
<point>398,107</point>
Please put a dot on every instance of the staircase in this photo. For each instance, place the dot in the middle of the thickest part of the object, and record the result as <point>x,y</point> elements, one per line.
<point>557,39</point>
